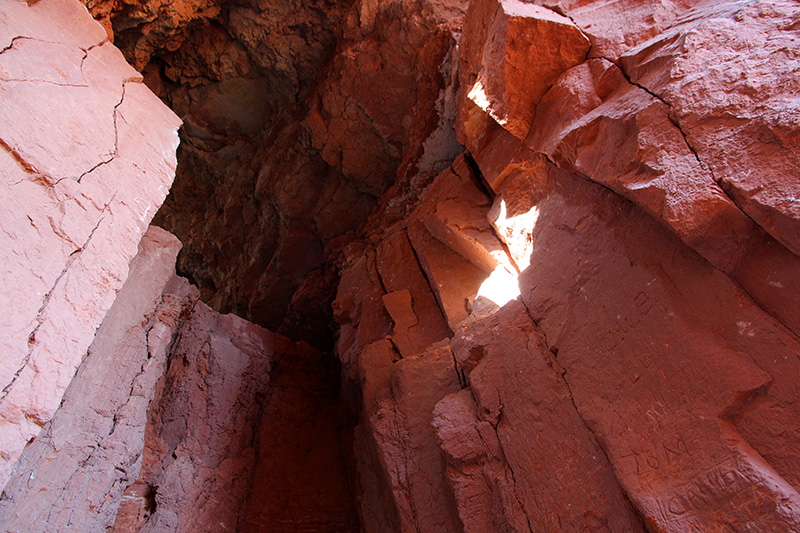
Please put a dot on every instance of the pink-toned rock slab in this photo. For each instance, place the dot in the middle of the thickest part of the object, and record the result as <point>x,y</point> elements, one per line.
<point>400,307</point>
<point>454,280</point>
<point>73,475</point>
<point>499,155</point>
<point>515,442</point>
<point>453,210</point>
<point>88,155</point>
<point>510,53</point>
<point>198,467</point>
<point>510,168</point>
<point>730,78</point>
<point>616,26</point>
<point>48,123</point>
<point>52,21</point>
<point>682,377</point>
<point>378,512</point>
<point>454,242</point>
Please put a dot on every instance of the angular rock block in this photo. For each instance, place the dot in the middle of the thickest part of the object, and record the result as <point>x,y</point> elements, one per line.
<point>730,77</point>
<point>511,52</point>
<point>515,442</point>
<point>401,422</point>
<point>76,471</point>
<point>595,123</point>
<point>672,366</point>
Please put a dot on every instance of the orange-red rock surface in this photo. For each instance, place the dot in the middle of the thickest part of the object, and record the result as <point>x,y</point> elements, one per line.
<point>297,117</point>
<point>587,321</point>
<point>643,378</point>
<point>121,454</point>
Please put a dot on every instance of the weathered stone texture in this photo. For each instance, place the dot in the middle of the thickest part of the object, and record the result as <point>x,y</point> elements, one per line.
<point>298,116</point>
<point>634,355</point>
<point>88,156</point>
<point>680,456</point>
<point>512,51</point>
<point>514,441</point>
<point>73,475</point>
<point>586,322</point>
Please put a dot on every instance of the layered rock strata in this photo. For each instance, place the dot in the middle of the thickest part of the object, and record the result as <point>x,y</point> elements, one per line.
<point>88,155</point>
<point>642,380</point>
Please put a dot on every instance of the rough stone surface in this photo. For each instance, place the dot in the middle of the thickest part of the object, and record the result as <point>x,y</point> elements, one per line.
<point>586,322</point>
<point>88,155</point>
<point>218,368</point>
<point>123,453</point>
<point>73,474</point>
<point>690,458</point>
<point>729,77</point>
<point>400,421</point>
<point>616,26</point>
<point>635,356</point>
<point>509,461</point>
<point>298,116</point>
<point>620,136</point>
<point>198,471</point>
<point>511,53</point>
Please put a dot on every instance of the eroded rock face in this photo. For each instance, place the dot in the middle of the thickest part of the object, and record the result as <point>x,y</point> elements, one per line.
<point>654,285</point>
<point>74,473</point>
<point>512,52</point>
<point>736,102</point>
<point>587,322</point>
<point>298,116</point>
<point>654,333</point>
<point>88,155</point>
<point>121,454</point>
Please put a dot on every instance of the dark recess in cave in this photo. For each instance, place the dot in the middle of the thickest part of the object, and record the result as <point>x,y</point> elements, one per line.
<point>240,76</point>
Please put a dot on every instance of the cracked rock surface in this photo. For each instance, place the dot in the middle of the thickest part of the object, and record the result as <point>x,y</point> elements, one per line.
<point>88,156</point>
<point>75,472</point>
<point>297,117</point>
<point>557,239</point>
<point>637,374</point>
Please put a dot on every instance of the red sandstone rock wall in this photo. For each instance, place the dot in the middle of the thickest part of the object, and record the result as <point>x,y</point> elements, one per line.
<point>241,432</point>
<point>588,322</point>
<point>298,116</point>
<point>73,475</point>
<point>88,155</point>
<point>181,419</point>
<point>636,163</point>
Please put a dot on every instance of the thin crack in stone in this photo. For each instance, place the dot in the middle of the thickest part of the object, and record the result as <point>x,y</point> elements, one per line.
<point>32,337</point>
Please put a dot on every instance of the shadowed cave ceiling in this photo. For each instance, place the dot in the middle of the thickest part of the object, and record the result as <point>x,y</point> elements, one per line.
<point>297,117</point>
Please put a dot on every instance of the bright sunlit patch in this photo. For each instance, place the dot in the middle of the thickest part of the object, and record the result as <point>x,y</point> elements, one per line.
<point>517,232</point>
<point>478,95</point>
<point>500,287</point>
